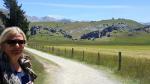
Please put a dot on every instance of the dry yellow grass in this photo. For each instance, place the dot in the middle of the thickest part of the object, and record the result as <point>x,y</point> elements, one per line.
<point>132,51</point>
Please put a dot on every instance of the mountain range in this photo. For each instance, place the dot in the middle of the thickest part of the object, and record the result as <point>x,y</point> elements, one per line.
<point>46,19</point>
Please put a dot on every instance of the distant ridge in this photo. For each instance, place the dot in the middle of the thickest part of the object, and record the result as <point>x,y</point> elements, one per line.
<point>148,23</point>
<point>46,19</point>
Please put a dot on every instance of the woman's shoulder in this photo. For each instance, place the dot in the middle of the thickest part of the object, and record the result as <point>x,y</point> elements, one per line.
<point>25,62</point>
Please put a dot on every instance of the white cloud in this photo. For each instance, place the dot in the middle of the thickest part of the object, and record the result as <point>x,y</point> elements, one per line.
<point>80,5</point>
<point>56,16</point>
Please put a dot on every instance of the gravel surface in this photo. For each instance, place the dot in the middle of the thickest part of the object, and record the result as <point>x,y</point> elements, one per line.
<point>72,72</point>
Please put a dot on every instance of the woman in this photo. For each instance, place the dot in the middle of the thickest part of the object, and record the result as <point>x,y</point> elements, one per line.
<point>15,67</point>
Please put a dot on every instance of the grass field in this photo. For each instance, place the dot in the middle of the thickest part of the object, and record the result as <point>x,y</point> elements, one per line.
<point>57,39</point>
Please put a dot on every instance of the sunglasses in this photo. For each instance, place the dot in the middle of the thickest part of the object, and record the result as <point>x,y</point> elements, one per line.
<point>14,42</point>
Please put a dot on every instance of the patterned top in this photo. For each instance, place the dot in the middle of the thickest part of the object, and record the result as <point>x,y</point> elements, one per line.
<point>9,76</point>
<point>23,77</point>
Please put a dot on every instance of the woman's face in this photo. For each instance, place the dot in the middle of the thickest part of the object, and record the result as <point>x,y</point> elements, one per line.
<point>14,46</point>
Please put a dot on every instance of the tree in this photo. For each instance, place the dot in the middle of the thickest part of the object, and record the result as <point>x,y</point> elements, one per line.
<point>16,16</point>
<point>2,17</point>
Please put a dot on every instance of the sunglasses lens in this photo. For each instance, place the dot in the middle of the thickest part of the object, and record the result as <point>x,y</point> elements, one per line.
<point>21,42</point>
<point>13,42</point>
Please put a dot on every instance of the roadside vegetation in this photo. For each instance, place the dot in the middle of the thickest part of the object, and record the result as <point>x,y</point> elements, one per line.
<point>39,65</point>
<point>38,68</point>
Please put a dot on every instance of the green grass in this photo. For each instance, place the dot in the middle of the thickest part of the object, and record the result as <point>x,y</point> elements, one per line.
<point>58,39</point>
<point>47,24</point>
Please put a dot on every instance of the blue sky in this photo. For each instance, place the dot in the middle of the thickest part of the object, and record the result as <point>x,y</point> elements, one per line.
<point>138,10</point>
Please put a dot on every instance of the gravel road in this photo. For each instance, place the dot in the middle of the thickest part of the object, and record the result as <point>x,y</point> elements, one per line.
<point>72,72</point>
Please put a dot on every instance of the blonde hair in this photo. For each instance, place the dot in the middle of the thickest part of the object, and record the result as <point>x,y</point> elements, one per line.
<point>9,32</point>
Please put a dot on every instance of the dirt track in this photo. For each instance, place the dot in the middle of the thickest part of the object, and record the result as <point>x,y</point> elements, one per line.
<point>71,72</point>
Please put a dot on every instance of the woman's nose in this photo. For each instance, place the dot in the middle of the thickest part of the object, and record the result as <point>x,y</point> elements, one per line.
<point>17,45</point>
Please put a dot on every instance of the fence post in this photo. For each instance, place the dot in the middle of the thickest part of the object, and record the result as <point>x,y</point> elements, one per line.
<point>36,46</point>
<point>49,49</point>
<point>52,49</point>
<point>45,48</point>
<point>65,52</point>
<point>42,48</point>
<point>119,61</point>
<point>58,51</point>
<point>72,52</point>
<point>83,56</point>
<point>98,58</point>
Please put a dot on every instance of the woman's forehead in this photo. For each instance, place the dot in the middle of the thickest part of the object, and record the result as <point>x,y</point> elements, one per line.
<point>16,36</point>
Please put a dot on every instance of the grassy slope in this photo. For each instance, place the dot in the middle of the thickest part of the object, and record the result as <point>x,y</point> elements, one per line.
<point>79,28</point>
<point>143,39</point>
<point>76,25</point>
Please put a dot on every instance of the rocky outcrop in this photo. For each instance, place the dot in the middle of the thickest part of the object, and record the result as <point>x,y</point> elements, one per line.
<point>145,29</point>
<point>35,29</point>
<point>105,32</point>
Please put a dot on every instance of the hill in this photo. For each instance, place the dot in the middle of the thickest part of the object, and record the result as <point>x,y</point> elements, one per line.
<point>78,29</point>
